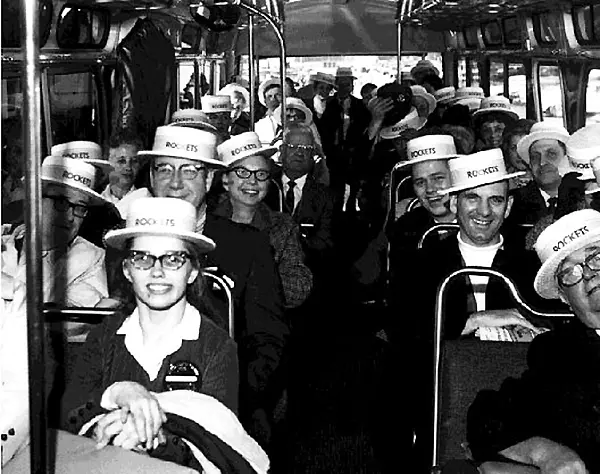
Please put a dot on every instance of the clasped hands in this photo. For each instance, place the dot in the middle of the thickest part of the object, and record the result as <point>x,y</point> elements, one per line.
<point>135,421</point>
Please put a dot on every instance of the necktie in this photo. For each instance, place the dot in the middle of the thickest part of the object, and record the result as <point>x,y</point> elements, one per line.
<point>289,197</point>
<point>552,204</point>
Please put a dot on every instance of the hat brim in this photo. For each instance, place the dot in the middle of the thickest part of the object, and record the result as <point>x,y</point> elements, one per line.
<point>263,86</point>
<point>423,159</point>
<point>329,82</point>
<point>545,284</point>
<point>229,88</point>
<point>95,198</point>
<point>481,112</point>
<point>104,165</point>
<point>525,143</point>
<point>308,115</point>
<point>594,190</point>
<point>210,161</point>
<point>197,125</point>
<point>472,102</point>
<point>267,152</point>
<point>431,101</point>
<point>455,189</point>
<point>118,238</point>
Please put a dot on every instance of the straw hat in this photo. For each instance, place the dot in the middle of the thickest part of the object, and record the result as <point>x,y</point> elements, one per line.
<point>344,72</point>
<point>194,118</point>
<point>583,150</point>
<point>89,152</point>
<point>445,95</point>
<point>428,148</point>
<point>323,77</point>
<point>157,216</point>
<point>214,104</point>
<point>565,236</point>
<point>242,146</point>
<point>184,142</point>
<point>477,169</point>
<point>540,131</point>
<point>420,91</point>
<point>411,121</point>
<point>469,96</point>
<point>263,87</point>
<point>72,173</point>
<point>229,89</point>
<point>294,103</point>
<point>496,103</point>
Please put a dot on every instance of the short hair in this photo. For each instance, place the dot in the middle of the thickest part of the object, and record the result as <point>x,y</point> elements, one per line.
<point>520,127</point>
<point>126,136</point>
<point>368,87</point>
<point>271,86</point>
<point>298,128</point>
<point>433,80</point>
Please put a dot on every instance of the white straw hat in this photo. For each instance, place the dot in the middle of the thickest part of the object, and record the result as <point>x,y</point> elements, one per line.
<point>242,146</point>
<point>469,96</point>
<point>214,104</point>
<point>583,147</point>
<point>477,169</point>
<point>445,94</point>
<point>411,121</point>
<point>294,103</point>
<point>263,86</point>
<point>565,236</point>
<point>229,89</point>
<point>429,147</point>
<point>541,131</point>
<point>420,91</point>
<point>184,142</point>
<point>194,118</point>
<point>89,152</point>
<point>158,216</point>
<point>496,103</point>
<point>73,173</point>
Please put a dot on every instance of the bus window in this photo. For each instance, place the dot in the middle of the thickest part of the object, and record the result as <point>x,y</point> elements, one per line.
<point>474,73</point>
<point>517,88</point>
<point>550,93</point>
<point>592,97</point>
<point>12,142</point>
<point>73,107</point>
<point>462,72</point>
<point>496,78</point>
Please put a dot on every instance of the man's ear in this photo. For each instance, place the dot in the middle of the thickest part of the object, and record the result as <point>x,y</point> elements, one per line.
<point>453,204</point>
<point>126,271</point>
<point>509,205</point>
<point>210,174</point>
<point>225,180</point>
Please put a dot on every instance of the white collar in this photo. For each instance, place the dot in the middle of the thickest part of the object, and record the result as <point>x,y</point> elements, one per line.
<point>108,194</point>
<point>151,358</point>
<point>546,196</point>
<point>462,244</point>
<point>300,182</point>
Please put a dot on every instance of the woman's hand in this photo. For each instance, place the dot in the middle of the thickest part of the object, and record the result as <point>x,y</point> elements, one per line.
<point>132,398</point>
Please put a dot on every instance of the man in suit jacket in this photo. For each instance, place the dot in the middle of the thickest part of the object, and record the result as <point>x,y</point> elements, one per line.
<point>343,132</point>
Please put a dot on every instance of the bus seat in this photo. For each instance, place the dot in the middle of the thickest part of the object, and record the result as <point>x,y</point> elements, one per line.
<point>463,367</point>
<point>220,284</point>
<point>439,230</point>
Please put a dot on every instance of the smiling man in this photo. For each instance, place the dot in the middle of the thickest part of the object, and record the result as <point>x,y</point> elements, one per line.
<point>549,417</point>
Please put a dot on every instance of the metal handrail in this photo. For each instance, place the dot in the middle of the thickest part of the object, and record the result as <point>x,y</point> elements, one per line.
<point>435,229</point>
<point>211,275</point>
<point>413,204</point>
<point>438,323</point>
<point>82,315</point>
<point>279,194</point>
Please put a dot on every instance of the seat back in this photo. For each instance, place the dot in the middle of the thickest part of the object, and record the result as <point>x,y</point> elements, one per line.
<point>220,284</point>
<point>437,230</point>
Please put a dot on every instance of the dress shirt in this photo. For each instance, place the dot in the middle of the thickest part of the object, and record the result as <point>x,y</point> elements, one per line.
<point>300,182</point>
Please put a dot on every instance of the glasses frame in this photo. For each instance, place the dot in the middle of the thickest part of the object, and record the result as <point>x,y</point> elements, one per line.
<point>244,173</point>
<point>581,266</point>
<point>62,204</point>
<point>291,146</point>
<point>196,170</point>
<point>185,257</point>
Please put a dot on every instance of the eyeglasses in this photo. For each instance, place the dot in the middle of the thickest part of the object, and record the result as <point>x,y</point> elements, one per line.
<point>245,173</point>
<point>168,261</point>
<point>291,146</point>
<point>572,275</point>
<point>62,204</point>
<point>167,171</point>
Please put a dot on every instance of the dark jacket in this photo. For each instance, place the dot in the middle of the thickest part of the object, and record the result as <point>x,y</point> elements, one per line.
<point>558,398</point>
<point>529,205</point>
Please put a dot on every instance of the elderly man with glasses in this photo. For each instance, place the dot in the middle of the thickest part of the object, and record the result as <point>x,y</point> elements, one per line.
<point>550,417</point>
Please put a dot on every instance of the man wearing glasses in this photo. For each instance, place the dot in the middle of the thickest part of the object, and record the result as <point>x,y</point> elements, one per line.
<point>549,418</point>
<point>73,268</point>
<point>183,163</point>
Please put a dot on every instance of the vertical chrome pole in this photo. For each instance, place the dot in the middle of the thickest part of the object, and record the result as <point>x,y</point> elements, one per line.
<point>32,150</point>
<point>251,69</point>
<point>399,52</point>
